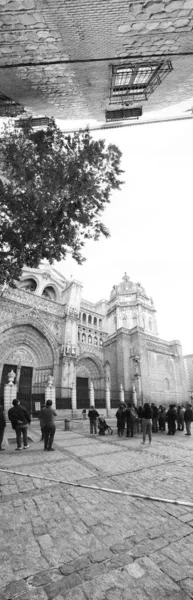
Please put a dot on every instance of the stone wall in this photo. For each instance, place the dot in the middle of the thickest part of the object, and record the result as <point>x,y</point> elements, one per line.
<point>43,30</point>
<point>160,369</point>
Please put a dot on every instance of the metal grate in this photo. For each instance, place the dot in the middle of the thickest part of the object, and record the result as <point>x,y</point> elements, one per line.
<point>36,122</point>
<point>123,114</point>
<point>9,108</point>
<point>136,82</point>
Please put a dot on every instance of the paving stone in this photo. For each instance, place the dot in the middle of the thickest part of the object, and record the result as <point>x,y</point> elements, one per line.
<point>61,586</point>
<point>187,585</point>
<point>15,589</point>
<point>100,556</point>
<point>75,565</point>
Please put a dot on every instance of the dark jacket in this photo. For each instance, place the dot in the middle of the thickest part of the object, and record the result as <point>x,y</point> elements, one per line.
<point>47,416</point>
<point>93,414</point>
<point>188,414</point>
<point>2,419</point>
<point>154,412</point>
<point>120,414</point>
<point>147,412</point>
<point>130,414</point>
<point>18,415</point>
<point>171,415</point>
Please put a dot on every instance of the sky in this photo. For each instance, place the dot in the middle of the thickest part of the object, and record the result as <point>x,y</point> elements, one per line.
<point>150,222</point>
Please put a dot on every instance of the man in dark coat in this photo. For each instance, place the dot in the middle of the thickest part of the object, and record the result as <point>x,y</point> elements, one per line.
<point>188,417</point>
<point>48,415</point>
<point>2,426</point>
<point>92,415</point>
<point>120,414</point>
<point>154,409</point>
<point>20,419</point>
<point>171,417</point>
<point>130,418</point>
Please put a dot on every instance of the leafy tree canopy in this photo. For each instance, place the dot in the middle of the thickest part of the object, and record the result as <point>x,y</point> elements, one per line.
<point>53,189</point>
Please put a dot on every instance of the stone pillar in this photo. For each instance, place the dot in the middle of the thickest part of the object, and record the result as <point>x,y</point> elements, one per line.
<point>50,394</point>
<point>121,394</point>
<point>134,396</point>
<point>108,399</point>
<point>73,399</point>
<point>91,394</point>
<point>10,394</point>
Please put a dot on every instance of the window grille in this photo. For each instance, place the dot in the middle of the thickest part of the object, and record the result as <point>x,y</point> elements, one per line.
<point>9,108</point>
<point>135,82</point>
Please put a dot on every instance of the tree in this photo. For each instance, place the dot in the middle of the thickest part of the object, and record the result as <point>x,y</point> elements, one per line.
<point>53,189</point>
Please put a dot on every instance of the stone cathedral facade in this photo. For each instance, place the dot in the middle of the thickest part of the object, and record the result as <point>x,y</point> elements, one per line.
<point>48,328</point>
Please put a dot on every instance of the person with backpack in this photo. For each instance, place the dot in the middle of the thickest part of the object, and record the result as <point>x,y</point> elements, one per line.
<point>93,415</point>
<point>48,415</point>
<point>20,419</point>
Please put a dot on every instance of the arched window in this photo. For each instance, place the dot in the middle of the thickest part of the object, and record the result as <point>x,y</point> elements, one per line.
<point>143,321</point>
<point>78,335</point>
<point>134,321</point>
<point>95,341</point>
<point>95,321</point>
<point>150,324</point>
<point>89,339</point>
<point>84,318</point>
<point>83,338</point>
<point>29,285</point>
<point>89,320</point>
<point>100,323</point>
<point>49,293</point>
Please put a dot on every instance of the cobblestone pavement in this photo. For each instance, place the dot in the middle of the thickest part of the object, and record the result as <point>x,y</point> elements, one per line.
<point>61,542</point>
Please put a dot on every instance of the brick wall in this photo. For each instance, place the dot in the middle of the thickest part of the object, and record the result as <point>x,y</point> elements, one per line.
<point>43,30</point>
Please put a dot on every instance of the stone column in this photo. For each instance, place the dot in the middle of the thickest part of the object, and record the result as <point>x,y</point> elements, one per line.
<point>108,399</point>
<point>121,394</point>
<point>91,394</point>
<point>50,394</point>
<point>10,394</point>
<point>134,396</point>
<point>73,399</point>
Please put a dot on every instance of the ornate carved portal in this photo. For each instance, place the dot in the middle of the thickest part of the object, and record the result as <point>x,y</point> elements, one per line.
<point>25,349</point>
<point>89,371</point>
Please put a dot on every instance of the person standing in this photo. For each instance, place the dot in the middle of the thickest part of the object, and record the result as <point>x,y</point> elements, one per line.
<point>171,416</point>
<point>188,416</point>
<point>130,418</point>
<point>93,415</point>
<point>2,426</point>
<point>147,422</point>
<point>48,415</point>
<point>154,409</point>
<point>20,419</point>
<point>181,418</point>
<point>42,426</point>
<point>120,415</point>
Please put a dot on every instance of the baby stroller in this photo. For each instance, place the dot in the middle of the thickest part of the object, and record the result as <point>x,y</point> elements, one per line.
<point>102,426</point>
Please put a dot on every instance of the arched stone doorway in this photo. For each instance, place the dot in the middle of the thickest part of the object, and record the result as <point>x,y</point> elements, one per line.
<point>26,350</point>
<point>89,368</point>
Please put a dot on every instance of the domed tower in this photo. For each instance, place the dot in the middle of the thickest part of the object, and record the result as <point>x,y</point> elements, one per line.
<point>130,307</point>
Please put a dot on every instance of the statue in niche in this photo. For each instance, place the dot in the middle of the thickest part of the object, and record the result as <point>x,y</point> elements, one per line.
<point>11,377</point>
<point>50,381</point>
<point>68,348</point>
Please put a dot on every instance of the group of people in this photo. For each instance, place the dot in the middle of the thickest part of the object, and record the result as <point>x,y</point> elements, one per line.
<point>20,419</point>
<point>150,418</point>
